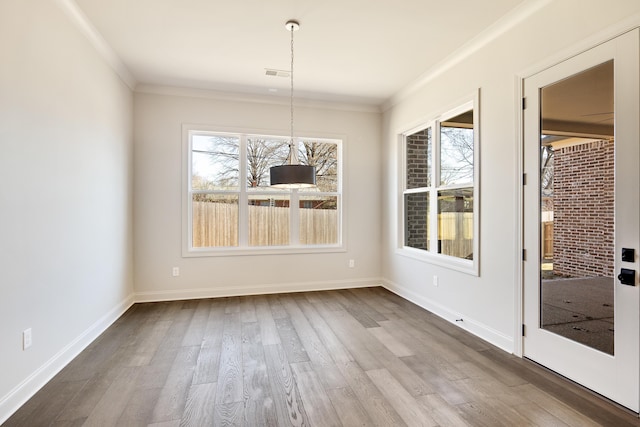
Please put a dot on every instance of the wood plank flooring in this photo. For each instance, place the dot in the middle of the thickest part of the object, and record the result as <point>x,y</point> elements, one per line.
<point>361,357</point>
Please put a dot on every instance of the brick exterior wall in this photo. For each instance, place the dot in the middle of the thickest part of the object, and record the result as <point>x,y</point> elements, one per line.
<point>418,153</point>
<point>583,204</point>
<point>418,157</point>
<point>416,220</point>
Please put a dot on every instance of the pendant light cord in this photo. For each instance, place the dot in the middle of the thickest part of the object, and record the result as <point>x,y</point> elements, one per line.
<point>292,157</point>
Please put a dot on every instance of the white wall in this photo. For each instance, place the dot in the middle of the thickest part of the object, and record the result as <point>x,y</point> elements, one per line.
<point>65,195</point>
<point>158,167</point>
<point>487,303</point>
<point>67,166</point>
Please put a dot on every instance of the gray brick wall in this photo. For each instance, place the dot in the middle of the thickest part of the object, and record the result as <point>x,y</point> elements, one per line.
<point>416,221</point>
<point>418,157</point>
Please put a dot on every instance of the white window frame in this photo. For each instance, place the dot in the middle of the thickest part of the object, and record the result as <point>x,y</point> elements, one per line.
<point>432,256</point>
<point>243,193</point>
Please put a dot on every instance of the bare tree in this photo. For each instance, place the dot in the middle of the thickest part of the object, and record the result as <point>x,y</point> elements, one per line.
<point>224,160</point>
<point>261,155</point>
<point>223,154</point>
<point>324,157</point>
<point>456,157</point>
<point>546,170</point>
<point>215,162</point>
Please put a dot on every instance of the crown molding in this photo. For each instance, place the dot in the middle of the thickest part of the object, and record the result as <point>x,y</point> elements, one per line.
<point>80,20</point>
<point>190,92</point>
<point>500,27</point>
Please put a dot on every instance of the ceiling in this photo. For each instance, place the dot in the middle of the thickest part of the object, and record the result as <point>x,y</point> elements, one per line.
<point>357,51</point>
<point>581,105</point>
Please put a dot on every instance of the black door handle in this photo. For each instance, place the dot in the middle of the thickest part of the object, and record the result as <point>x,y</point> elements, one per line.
<point>627,277</point>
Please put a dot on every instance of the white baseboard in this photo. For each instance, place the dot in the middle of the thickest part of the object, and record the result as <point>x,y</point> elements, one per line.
<point>478,329</point>
<point>232,291</point>
<point>34,382</point>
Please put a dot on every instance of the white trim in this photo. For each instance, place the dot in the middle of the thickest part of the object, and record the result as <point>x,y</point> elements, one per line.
<point>274,288</point>
<point>431,256</point>
<point>188,251</point>
<point>243,198</point>
<point>617,377</point>
<point>584,45</point>
<point>17,397</point>
<point>401,184</point>
<point>262,250</point>
<point>500,27</point>
<point>255,98</point>
<point>518,293</point>
<point>84,25</point>
<point>452,263</point>
<point>478,329</point>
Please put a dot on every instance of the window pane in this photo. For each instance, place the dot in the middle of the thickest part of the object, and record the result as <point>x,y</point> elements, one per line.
<point>262,153</point>
<point>215,220</point>
<point>269,220</point>
<point>418,146</point>
<point>233,204</point>
<point>416,208</point>
<point>214,162</point>
<point>455,223</point>
<point>318,220</point>
<point>456,150</point>
<point>324,156</point>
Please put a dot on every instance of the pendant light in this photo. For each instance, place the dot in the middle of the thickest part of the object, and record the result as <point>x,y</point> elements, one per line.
<point>292,174</point>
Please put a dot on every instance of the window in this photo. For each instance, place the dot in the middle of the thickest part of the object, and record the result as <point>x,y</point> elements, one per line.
<point>231,209</point>
<point>440,189</point>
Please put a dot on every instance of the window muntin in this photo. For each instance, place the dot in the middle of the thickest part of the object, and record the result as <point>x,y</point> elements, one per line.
<point>231,207</point>
<point>439,197</point>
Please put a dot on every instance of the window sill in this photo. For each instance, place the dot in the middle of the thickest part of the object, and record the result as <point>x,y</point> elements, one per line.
<point>458,264</point>
<point>237,251</point>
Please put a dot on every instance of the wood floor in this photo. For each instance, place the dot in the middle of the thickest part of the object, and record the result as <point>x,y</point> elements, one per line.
<point>350,357</point>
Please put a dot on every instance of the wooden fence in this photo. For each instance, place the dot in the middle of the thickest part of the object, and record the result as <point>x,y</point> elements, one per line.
<point>547,240</point>
<point>216,225</point>
<point>455,234</point>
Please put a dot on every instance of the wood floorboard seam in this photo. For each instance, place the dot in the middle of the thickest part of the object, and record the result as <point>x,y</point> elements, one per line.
<point>331,358</point>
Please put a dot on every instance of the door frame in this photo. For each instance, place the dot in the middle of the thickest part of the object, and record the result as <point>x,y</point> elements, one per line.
<point>608,35</point>
<point>584,45</point>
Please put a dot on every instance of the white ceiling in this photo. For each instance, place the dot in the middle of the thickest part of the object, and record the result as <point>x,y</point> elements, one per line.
<point>358,51</point>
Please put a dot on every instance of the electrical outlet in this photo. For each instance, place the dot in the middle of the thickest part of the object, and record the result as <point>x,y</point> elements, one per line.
<point>175,271</point>
<point>435,281</point>
<point>27,339</point>
<point>352,263</point>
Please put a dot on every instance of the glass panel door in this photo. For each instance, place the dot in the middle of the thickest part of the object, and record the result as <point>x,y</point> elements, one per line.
<point>577,197</point>
<point>581,210</point>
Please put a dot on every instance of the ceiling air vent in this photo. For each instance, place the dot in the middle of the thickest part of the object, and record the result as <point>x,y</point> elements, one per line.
<point>276,73</point>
